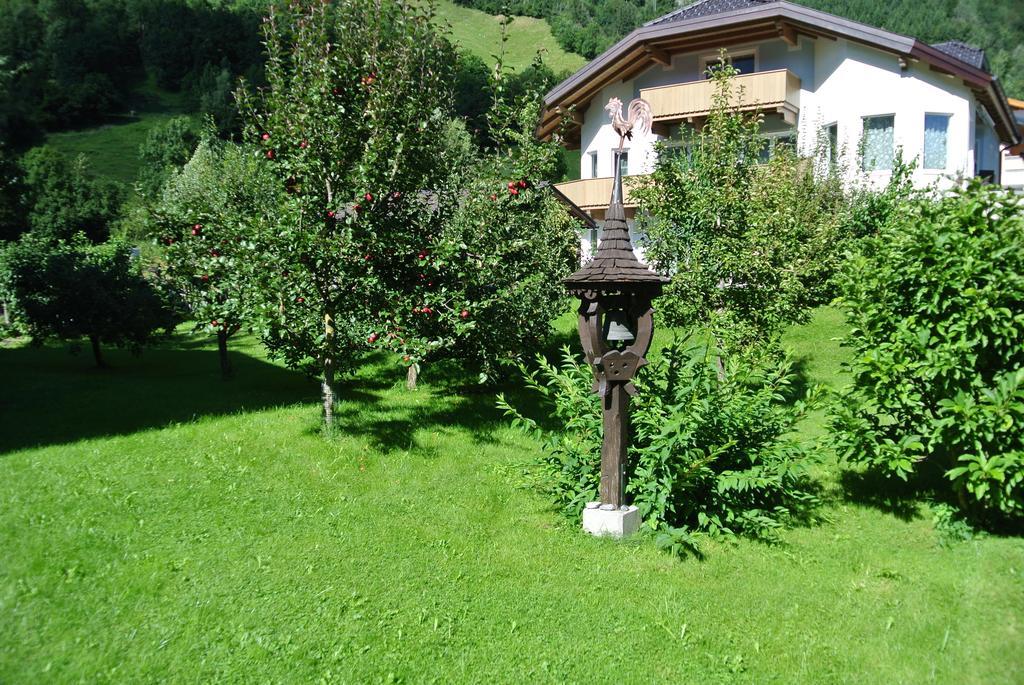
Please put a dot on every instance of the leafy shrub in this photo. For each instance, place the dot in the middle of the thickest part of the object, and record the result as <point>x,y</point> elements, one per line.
<point>709,454</point>
<point>936,301</point>
<point>64,198</point>
<point>166,149</point>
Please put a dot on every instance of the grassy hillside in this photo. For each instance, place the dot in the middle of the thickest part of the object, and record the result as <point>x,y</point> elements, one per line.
<point>480,33</point>
<point>113,148</point>
<point>159,524</point>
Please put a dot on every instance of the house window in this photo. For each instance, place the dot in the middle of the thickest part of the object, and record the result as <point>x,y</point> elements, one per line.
<point>879,143</point>
<point>772,144</point>
<point>593,241</point>
<point>624,162</point>
<point>593,165</point>
<point>745,64</point>
<point>832,142</point>
<point>936,136</point>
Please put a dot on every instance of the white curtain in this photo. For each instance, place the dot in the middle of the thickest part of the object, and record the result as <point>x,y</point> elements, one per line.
<point>879,143</point>
<point>936,127</point>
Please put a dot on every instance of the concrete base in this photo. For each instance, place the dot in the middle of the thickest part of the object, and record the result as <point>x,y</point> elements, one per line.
<point>603,519</point>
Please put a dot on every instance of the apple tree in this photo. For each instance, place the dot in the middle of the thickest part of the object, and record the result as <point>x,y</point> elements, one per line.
<point>351,123</point>
<point>70,289</point>
<point>487,282</point>
<point>202,219</point>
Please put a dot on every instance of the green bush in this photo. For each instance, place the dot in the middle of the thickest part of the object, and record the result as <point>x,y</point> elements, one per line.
<point>936,302</point>
<point>710,454</point>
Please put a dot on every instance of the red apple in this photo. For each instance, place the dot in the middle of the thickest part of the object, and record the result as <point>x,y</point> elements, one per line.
<point>303,145</point>
<point>300,300</point>
<point>205,277</point>
<point>270,154</point>
<point>464,314</point>
<point>511,185</point>
<point>214,253</point>
<point>513,191</point>
<point>522,184</point>
<point>494,197</point>
<point>368,197</point>
<point>197,229</point>
<point>214,323</point>
<point>373,338</point>
<point>266,136</point>
<point>357,207</point>
<point>330,213</point>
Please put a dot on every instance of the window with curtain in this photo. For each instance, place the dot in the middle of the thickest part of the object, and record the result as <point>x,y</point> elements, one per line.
<point>879,143</point>
<point>593,165</point>
<point>936,135</point>
<point>742,63</point>
<point>832,138</point>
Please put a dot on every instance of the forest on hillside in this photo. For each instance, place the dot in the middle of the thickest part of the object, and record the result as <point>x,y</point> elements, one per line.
<point>589,27</point>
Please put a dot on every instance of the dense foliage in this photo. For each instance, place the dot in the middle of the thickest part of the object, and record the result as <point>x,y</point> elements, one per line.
<point>205,219</point>
<point>708,455</point>
<point>937,307</point>
<point>589,27</point>
<point>72,289</point>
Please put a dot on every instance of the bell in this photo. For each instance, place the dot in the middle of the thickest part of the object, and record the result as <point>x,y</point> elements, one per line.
<point>616,331</point>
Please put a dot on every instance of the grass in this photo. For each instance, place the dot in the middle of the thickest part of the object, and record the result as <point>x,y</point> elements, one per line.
<point>160,524</point>
<point>480,34</point>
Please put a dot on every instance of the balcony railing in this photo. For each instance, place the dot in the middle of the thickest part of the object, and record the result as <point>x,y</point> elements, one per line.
<point>594,193</point>
<point>777,91</point>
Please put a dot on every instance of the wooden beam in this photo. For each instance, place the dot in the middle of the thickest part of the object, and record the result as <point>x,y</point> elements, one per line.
<point>787,33</point>
<point>660,56</point>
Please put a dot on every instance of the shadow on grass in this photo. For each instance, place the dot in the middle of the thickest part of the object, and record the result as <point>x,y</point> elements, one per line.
<point>49,396</point>
<point>890,495</point>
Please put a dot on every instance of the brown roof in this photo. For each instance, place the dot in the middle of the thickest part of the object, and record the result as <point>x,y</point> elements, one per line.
<point>615,266</point>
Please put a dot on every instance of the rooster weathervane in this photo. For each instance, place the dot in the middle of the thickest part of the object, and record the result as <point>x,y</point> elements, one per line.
<point>638,117</point>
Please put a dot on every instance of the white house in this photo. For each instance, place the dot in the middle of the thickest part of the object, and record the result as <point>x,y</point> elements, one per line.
<point>820,80</point>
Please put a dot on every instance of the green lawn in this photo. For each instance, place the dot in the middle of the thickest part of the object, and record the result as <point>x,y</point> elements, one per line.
<point>160,524</point>
<point>480,33</point>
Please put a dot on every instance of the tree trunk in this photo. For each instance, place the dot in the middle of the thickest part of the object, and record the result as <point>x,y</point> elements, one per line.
<point>222,351</point>
<point>410,377</point>
<point>327,387</point>
<point>327,390</point>
<point>7,314</point>
<point>97,354</point>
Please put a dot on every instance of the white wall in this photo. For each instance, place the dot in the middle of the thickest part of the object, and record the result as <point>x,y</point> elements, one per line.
<point>1013,171</point>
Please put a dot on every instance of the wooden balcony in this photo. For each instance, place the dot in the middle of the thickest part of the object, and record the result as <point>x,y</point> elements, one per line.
<point>594,193</point>
<point>769,91</point>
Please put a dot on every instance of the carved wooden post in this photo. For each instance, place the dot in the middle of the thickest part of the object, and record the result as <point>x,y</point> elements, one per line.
<point>614,445</point>
<point>616,326</point>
